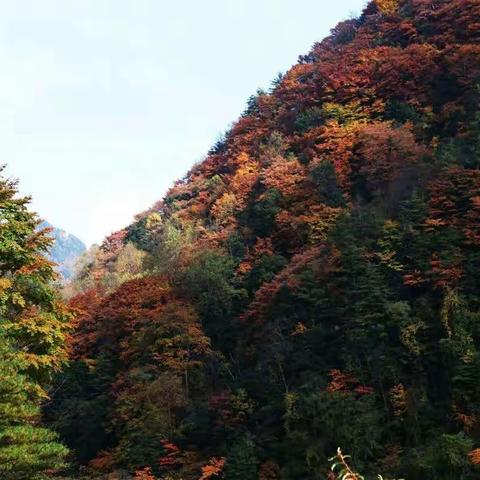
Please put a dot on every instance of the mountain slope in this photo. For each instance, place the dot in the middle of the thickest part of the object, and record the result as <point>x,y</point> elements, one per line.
<point>65,251</point>
<point>312,283</point>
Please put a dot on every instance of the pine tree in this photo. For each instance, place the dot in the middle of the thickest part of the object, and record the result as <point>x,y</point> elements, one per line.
<point>26,449</point>
<point>241,463</point>
<point>32,329</point>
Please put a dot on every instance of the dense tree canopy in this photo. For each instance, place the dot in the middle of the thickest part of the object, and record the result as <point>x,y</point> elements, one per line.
<point>313,283</point>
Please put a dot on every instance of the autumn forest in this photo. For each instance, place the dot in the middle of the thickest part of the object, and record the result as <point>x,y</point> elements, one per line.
<point>312,284</point>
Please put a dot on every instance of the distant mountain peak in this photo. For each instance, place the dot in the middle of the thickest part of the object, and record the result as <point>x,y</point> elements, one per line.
<point>65,250</point>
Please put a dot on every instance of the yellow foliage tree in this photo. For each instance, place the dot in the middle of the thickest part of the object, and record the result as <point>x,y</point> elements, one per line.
<point>387,6</point>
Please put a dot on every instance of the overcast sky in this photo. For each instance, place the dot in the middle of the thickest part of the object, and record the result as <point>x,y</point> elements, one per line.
<point>104,103</point>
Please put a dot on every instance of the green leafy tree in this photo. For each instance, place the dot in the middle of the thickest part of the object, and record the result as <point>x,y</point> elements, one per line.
<point>30,312</point>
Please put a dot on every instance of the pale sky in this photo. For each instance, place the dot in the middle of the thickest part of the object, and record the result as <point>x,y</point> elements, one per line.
<point>105,103</point>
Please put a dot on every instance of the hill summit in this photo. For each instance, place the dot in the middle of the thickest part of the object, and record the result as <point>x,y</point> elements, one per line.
<point>66,250</point>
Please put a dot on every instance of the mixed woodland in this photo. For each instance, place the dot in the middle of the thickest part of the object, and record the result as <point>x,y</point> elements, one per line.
<point>313,283</point>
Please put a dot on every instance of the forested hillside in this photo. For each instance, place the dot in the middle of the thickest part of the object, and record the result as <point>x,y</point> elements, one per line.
<point>313,283</point>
